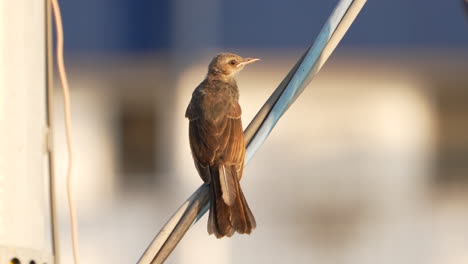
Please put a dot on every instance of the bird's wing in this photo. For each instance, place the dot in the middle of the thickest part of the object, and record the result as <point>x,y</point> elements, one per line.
<point>231,156</point>
<point>232,145</point>
<point>235,112</point>
<point>234,150</point>
<point>192,112</point>
<point>219,142</point>
<point>204,145</point>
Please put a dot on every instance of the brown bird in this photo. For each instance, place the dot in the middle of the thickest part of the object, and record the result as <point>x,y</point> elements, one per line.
<point>217,144</point>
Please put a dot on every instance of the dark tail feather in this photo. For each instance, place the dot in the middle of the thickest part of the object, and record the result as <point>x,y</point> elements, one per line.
<point>218,222</point>
<point>245,222</point>
<point>224,220</point>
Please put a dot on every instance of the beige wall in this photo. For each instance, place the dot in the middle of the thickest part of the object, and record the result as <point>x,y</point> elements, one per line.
<point>25,225</point>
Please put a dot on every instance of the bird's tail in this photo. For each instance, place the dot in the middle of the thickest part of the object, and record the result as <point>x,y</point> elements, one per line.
<point>229,211</point>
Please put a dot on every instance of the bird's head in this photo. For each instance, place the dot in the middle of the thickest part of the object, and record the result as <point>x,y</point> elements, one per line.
<point>228,64</point>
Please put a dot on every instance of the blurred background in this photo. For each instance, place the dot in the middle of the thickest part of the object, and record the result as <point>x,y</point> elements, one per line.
<point>369,165</point>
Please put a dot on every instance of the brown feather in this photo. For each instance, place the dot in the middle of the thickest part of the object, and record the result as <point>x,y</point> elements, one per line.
<point>222,213</point>
<point>218,150</point>
<point>228,184</point>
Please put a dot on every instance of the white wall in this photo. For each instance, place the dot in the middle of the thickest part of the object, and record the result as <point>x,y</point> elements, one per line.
<point>24,198</point>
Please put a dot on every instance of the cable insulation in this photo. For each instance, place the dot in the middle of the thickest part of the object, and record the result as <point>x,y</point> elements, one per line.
<point>68,128</point>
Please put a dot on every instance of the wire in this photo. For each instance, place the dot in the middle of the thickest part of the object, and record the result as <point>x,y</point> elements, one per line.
<point>66,98</point>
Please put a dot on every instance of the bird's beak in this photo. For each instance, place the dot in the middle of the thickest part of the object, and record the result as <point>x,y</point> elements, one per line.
<point>247,61</point>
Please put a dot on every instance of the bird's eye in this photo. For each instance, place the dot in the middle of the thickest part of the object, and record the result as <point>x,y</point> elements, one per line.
<point>233,62</point>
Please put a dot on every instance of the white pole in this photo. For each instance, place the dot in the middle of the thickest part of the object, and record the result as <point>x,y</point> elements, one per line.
<point>25,211</point>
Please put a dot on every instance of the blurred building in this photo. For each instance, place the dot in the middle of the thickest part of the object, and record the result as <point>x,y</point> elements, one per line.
<point>368,166</point>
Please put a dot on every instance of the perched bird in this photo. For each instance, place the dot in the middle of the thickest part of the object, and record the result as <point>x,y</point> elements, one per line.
<point>217,144</point>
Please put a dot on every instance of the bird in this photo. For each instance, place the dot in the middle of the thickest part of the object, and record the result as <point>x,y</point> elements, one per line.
<point>218,147</point>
